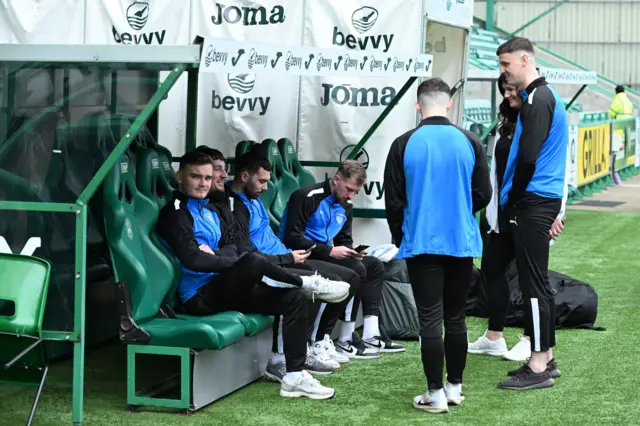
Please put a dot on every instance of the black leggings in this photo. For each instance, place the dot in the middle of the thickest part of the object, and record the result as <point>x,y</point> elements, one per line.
<point>241,288</point>
<point>440,287</point>
<point>496,257</point>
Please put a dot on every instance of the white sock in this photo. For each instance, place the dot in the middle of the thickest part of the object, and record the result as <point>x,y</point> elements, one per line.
<point>436,395</point>
<point>307,280</point>
<point>370,327</point>
<point>292,375</point>
<point>346,330</point>
<point>277,357</point>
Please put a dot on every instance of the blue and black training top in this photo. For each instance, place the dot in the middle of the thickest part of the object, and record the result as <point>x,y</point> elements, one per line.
<point>183,225</point>
<point>314,216</point>
<point>537,160</point>
<point>436,178</point>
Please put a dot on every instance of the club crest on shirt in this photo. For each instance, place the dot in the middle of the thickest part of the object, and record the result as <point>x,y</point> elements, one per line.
<point>341,219</point>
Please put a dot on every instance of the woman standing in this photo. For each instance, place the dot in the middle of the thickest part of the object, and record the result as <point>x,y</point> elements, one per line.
<point>493,266</point>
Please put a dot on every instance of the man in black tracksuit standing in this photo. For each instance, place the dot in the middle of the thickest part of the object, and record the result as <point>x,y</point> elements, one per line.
<point>322,215</point>
<point>531,198</point>
<point>214,278</point>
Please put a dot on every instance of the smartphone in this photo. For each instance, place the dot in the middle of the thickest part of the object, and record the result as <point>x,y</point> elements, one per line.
<point>311,248</point>
<point>361,248</point>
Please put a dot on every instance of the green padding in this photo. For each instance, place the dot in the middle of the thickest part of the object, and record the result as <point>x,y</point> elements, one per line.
<point>258,323</point>
<point>210,334</point>
<point>252,323</point>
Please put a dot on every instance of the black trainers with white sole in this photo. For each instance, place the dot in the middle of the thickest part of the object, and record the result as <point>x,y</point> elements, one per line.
<point>527,379</point>
<point>357,349</point>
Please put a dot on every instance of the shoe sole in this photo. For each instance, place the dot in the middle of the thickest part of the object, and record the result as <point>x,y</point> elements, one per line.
<point>320,373</point>
<point>486,352</point>
<point>508,358</point>
<point>299,394</point>
<point>375,356</point>
<point>272,377</point>
<point>393,351</point>
<point>433,410</point>
<point>542,385</point>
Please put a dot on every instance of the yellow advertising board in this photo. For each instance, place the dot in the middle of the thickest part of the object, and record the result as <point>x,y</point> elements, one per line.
<point>594,152</point>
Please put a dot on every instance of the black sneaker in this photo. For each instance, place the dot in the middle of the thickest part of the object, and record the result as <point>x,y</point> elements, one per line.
<point>355,348</point>
<point>527,379</point>
<point>387,344</point>
<point>552,369</point>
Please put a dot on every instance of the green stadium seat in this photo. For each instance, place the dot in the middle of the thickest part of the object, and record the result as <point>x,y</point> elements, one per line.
<point>23,296</point>
<point>268,198</point>
<point>243,147</point>
<point>145,275</point>
<point>285,183</point>
<point>292,163</point>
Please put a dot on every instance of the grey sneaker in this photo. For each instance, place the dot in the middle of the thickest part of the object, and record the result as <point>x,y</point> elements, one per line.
<point>305,385</point>
<point>276,370</point>
<point>316,365</point>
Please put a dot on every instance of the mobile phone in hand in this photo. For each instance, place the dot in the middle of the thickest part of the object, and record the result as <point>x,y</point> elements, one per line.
<point>311,248</point>
<point>361,248</point>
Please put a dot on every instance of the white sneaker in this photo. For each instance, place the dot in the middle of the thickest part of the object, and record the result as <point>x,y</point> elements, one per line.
<point>318,351</point>
<point>433,402</point>
<point>330,349</point>
<point>453,393</point>
<point>520,352</point>
<point>304,385</point>
<point>489,347</point>
<point>325,289</point>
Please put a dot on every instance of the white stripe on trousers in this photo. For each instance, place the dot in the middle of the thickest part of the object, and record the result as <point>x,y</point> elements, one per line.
<point>349,309</point>
<point>277,284</point>
<point>280,339</point>
<point>535,317</point>
<point>316,323</point>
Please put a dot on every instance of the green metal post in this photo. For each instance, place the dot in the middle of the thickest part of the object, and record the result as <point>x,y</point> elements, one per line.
<point>133,130</point>
<point>79,314</point>
<point>381,118</point>
<point>192,109</point>
<point>567,106</point>
<point>490,15</point>
<point>487,132</point>
<point>538,17</point>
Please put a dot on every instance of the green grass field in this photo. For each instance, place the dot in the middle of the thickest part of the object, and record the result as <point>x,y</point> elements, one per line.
<point>600,370</point>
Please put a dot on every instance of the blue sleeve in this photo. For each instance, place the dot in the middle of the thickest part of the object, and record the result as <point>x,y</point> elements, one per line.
<point>536,117</point>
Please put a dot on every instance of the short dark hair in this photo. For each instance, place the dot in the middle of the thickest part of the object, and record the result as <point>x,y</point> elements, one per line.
<point>619,88</point>
<point>195,158</point>
<point>252,162</point>
<point>211,152</point>
<point>432,86</point>
<point>515,44</point>
<point>353,169</point>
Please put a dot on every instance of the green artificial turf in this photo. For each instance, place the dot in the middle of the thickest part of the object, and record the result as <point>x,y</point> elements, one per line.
<point>600,370</point>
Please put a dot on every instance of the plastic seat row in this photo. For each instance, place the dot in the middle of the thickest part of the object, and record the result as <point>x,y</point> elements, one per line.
<point>147,272</point>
